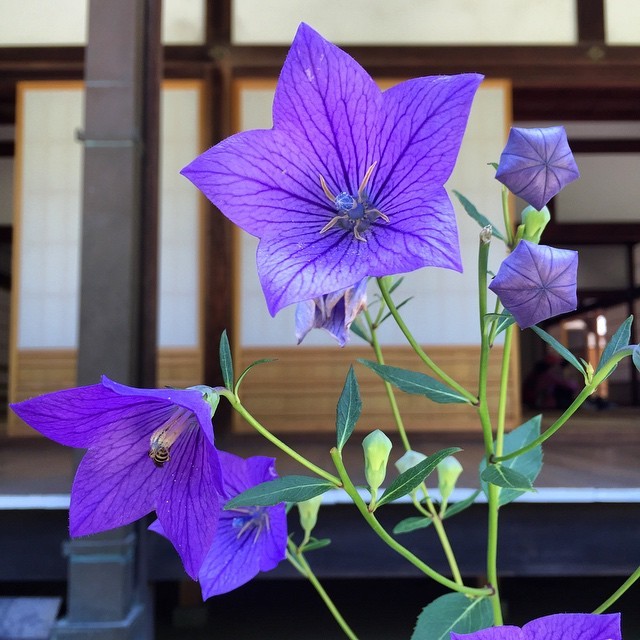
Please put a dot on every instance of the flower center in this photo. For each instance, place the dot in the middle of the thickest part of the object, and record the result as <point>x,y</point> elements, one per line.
<point>164,436</point>
<point>355,213</point>
<point>249,519</point>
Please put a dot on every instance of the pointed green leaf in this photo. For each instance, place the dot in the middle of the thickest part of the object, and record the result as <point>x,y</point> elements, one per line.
<point>635,357</point>
<point>505,477</point>
<point>253,364</point>
<point>396,284</point>
<point>415,383</point>
<point>348,409</point>
<point>226,362</point>
<point>618,340</point>
<point>412,523</point>
<point>503,320</point>
<point>558,348</point>
<point>457,507</point>
<point>285,489</point>
<point>407,481</point>
<point>314,544</point>
<point>482,220</point>
<point>528,464</point>
<point>452,612</point>
<point>359,331</point>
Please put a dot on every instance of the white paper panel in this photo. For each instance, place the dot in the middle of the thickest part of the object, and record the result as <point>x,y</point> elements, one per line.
<point>607,191</point>
<point>50,212</point>
<point>64,22</point>
<point>622,21</point>
<point>403,22</point>
<point>445,306</point>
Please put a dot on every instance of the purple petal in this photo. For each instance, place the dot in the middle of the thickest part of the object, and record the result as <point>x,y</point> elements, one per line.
<point>536,164</point>
<point>188,505</point>
<point>574,626</point>
<point>537,282</point>
<point>494,633</point>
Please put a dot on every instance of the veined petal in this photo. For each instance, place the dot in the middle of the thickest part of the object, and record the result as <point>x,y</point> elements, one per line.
<point>328,105</point>
<point>188,505</point>
<point>574,626</point>
<point>494,633</point>
<point>260,179</point>
<point>423,121</point>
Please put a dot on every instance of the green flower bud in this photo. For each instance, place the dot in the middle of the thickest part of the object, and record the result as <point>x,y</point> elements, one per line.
<point>449,471</point>
<point>408,460</point>
<point>376,456</point>
<point>308,510</point>
<point>534,222</point>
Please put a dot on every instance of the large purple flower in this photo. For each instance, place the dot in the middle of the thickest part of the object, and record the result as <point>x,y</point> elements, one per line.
<point>334,312</point>
<point>349,182</point>
<point>561,626</point>
<point>148,449</point>
<point>537,282</point>
<point>536,164</point>
<point>248,539</point>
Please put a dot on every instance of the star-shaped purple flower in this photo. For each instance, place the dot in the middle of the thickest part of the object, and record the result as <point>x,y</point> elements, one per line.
<point>148,450</point>
<point>536,164</point>
<point>334,312</point>
<point>349,182</point>
<point>536,282</point>
<point>248,539</point>
<point>561,626</point>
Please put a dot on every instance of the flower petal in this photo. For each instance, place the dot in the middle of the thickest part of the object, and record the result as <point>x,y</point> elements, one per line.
<point>574,626</point>
<point>188,505</point>
<point>494,633</point>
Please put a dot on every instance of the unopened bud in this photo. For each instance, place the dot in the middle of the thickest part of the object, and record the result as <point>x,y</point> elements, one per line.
<point>409,460</point>
<point>308,510</point>
<point>485,234</point>
<point>534,222</point>
<point>449,471</point>
<point>377,447</point>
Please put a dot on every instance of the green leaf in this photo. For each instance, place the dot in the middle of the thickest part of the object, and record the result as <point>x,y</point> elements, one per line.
<point>559,349</point>
<point>635,357</point>
<point>457,507</point>
<point>285,489</point>
<point>452,612</point>
<point>528,464</point>
<point>412,523</point>
<point>226,362</point>
<point>314,544</point>
<point>503,320</point>
<point>482,220</point>
<point>618,340</point>
<point>505,477</point>
<point>396,284</point>
<point>359,331</point>
<point>348,409</point>
<point>253,364</point>
<point>407,481</point>
<point>415,383</point>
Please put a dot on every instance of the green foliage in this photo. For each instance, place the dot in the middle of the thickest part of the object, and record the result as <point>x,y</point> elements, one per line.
<point>226,362</point>
<point>503,320</point>
<point>407,481</point>
<point>348,409</point>
<point>618,340</point>
<point>482,220</point>
<point>528,464</point>
<point>452,612</point>
<point>503,476</point>
<point>415,383</point>
<point>315,544</point>
<point>635,357</point>
<point>285,489</point>
<point>559,349</point>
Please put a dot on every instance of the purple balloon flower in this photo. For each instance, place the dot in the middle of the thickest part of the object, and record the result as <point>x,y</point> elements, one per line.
<point>536,282</point>
<point>334,312</point>
<point>148,449</point>
<point>349,182</point>
<point>248,539</point>
<point>561,626</point>
<point>536,164</point>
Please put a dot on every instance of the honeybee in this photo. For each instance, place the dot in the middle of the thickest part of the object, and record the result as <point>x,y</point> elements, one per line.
<point>158,453</point>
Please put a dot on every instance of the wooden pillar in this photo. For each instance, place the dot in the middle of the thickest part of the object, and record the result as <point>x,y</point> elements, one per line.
<point>108,595</point>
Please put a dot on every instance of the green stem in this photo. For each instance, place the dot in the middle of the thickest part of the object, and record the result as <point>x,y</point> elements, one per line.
<point>390,541</point>
<point>263,431</point>
<point>297,559</point>
<point>504,388</point>
<point>599,377</point>
<point>418,349</point>
<point>506,217</point>
<point>388,388</point>
<point>492,551</point>
<point>619,592</point>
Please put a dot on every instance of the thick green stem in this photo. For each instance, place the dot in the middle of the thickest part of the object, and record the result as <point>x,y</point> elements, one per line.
<point>504,388</point>
<point>390,541</point>
<point>506,216</point>
<point>263,431</point>
<point>619,592</point>
<point>418,349</point>
<point>297,559</point>
<point>492,551</point>
<point>599,377</point>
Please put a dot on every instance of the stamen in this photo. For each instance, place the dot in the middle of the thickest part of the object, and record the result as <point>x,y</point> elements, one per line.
<point>365,180</point>
<point>326,190</point>
<point>163,438</point>
<point>331,223</point>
